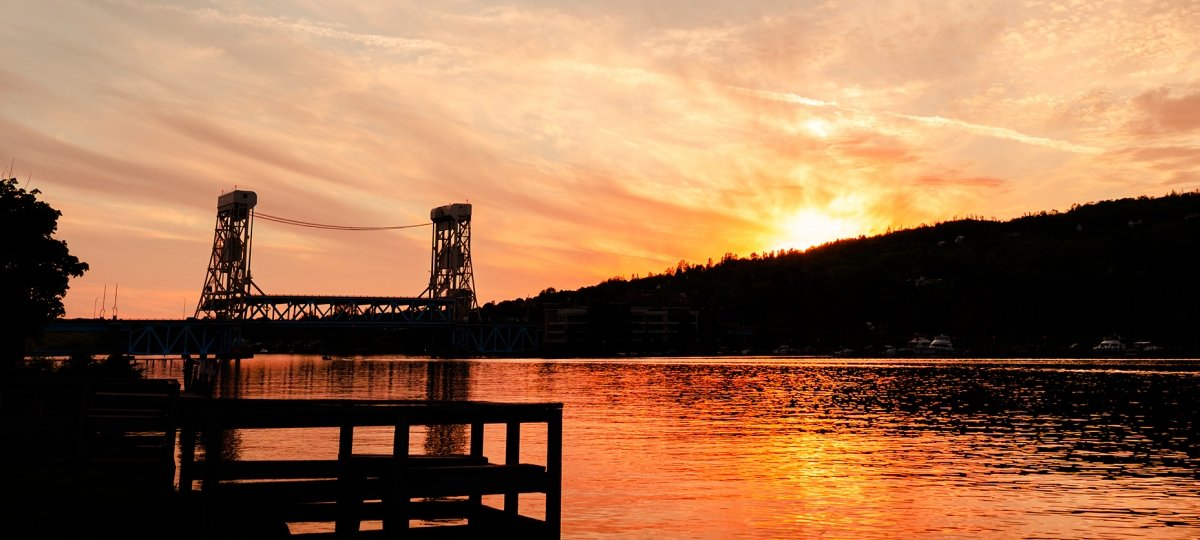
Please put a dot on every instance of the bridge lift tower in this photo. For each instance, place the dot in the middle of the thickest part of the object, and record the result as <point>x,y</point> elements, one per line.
<point>451,275</point>
<point>228,281</point>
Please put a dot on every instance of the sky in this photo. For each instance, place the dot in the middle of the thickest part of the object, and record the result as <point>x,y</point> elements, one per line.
<point>594,139</point>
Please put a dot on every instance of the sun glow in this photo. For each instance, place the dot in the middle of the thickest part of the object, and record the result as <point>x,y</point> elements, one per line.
<point>817,127</point>
<point>808,228</point>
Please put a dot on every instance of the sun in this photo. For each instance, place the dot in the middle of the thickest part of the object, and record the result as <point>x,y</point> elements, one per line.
<point>817,127</point>
<point>808,228</point>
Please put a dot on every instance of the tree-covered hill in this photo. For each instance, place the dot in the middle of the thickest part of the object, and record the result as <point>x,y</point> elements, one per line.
<point>1045,283</point>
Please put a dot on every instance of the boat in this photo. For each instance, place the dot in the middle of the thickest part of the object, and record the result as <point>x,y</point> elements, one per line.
<point>918,344</point>
<point>1115,346</point>
<point>941,344</point>
<point>1111,345</point>
<point>1146,347</point>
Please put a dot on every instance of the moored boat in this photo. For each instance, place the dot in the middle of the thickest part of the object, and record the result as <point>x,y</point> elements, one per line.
<point>1112,345</point>
<point>941,344</point>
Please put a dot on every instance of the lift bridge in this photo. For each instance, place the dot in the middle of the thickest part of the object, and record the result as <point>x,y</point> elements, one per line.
<point>230,293</point>
<point>231,301</point>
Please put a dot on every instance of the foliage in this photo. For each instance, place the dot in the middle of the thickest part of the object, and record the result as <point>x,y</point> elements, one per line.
<point>34,268</point>
<point>82,365</point>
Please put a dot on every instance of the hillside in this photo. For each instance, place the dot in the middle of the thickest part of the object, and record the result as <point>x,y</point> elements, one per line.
<point>1047,283</point>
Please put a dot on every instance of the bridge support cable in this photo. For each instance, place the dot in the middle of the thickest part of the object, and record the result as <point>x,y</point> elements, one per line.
<point>311,225</point>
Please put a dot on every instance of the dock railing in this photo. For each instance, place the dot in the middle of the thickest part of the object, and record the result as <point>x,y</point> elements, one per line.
<point>413,495</point>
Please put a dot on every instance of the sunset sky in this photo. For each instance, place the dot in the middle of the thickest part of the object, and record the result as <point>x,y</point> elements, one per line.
<point>594,138</point>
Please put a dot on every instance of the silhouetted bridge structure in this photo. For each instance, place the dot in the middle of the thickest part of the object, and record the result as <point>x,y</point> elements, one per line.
<point>231,302</point>
<point>223,339</point>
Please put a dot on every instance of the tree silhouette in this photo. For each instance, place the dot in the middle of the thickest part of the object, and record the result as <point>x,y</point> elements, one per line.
<point>34,268</point>
<point>1048,283</point>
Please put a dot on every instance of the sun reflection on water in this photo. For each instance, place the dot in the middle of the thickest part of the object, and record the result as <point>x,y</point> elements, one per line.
<point>770,448</point>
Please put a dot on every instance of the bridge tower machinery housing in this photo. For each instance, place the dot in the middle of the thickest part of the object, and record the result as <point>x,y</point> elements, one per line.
<point>228,281</point>
<point>451,275</point>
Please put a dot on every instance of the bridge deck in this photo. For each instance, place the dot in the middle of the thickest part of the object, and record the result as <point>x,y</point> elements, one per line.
<point>338,298</point>
<point>331,308</point>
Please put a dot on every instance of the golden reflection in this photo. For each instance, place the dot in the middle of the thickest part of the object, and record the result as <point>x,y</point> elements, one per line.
<point>447,381</point>
<point>821,476</point>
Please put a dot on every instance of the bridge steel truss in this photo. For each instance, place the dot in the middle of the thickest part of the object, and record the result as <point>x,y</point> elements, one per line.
<point>146,337</point>
<point>325,309</point>
<point>496,338</point>
<point>203,338</point>
<point>223,339</point>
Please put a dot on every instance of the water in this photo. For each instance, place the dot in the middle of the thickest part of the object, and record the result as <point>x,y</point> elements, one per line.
<point>789,448</point>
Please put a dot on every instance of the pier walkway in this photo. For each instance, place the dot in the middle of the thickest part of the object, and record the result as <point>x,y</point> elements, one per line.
<point>91,458</point>
<point>411,495</point>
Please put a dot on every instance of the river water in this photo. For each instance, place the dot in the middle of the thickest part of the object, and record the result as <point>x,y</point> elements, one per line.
<point>830,448</point>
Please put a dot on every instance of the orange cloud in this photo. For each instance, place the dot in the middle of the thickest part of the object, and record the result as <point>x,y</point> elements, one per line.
<point>1164,112</point>
<point>977,181</point>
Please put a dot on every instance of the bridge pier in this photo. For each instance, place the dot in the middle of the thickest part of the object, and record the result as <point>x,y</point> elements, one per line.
<point>199,375</point>
<point>203,375</point>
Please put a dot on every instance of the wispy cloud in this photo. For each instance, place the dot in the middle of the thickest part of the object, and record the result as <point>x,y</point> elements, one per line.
<point>320,30</point>
<point>934,121</point>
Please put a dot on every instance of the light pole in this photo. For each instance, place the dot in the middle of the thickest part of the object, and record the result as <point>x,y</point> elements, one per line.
<point>94,302</point>
<point>183,312</point>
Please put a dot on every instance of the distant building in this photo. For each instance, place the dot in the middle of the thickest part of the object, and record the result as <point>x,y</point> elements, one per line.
<point>566,325</point>
<point>654,328</point>
<point>618,328</point>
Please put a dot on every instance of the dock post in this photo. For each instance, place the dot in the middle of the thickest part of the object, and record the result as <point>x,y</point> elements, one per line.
<point>554,476</point>
<point>347,522</point>
<point>476,452</point>
<point>396,517</point>
<point>512,456</point>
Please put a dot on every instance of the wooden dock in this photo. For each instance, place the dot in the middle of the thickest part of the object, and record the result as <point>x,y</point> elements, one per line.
<point>402,490</point>
<point>86,459</point>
